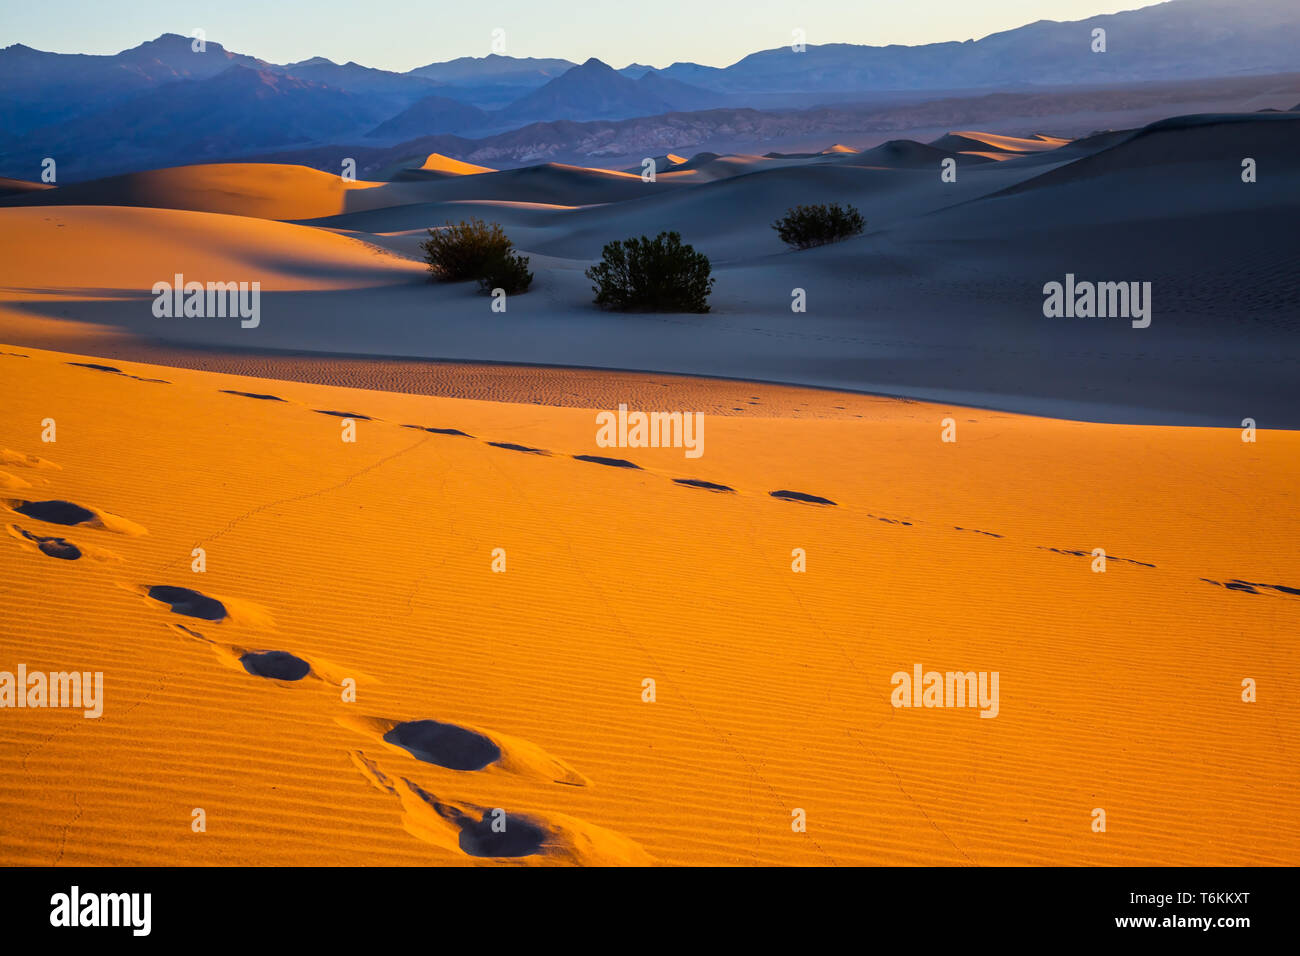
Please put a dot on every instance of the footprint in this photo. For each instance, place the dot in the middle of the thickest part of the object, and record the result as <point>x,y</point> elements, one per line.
<point>445,745</point>
<point>1250,587</point>
<point>706,485</point>
<point>465,748</point>
<point>67,513</point>
<point>257,395</point>
<point>493,833</point>
<point>204,607</point>
<point>117,371</point>
<point>523,448</point>
<point>357,415</point>
<point>277,665</point>
<point>611,462</point>
<point>439,431</point>
<point>60,548</point>
<point>800,496</point>
<point>188,602</point>
<point>273,665</point>
<point>977,531</point>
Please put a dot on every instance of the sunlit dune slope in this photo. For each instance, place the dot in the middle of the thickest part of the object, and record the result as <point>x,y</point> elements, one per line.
<point>439,163</point>
<point>525,691</point>
<point>265,190</point>
<point>107,249</point>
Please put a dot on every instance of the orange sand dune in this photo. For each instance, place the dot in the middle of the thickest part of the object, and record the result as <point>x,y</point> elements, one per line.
<point>966,140</point>
<point>523,692</point>
<point>265,190</point>
<point>439,163</point>
<point>119,248</point>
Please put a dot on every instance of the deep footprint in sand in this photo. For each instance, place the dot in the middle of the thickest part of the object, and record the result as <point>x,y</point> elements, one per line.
<point>465,749</point>
<point>357,415</point>
<point>56,547</point>
<point>60,548</point>
<point>801,496</point>
<point>706,485</point>
<point>204,607</point>
<point>611,462</point>
<point>276,665</point>
<point>526,449</point>
<point>497,834</point>
<point>70,514</point>
<point>258,395</point>
<point>273,665</point>
<point>444,744</point>
<point>439,431</point>
<point>113,370</point>
<point>188,602</point>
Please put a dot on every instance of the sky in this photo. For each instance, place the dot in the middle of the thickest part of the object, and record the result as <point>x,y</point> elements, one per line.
<point>403,34</point>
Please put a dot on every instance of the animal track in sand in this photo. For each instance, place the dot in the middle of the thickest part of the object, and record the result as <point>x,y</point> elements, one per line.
<point>494,833</point>
<point>611,462</point>
<point>60,548</point>
<point>977,531</point>
<point>801,496</point>
<point>67,513</point>
<point>465,748</point>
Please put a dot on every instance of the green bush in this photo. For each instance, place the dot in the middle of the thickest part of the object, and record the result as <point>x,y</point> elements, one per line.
<point>654,275</point>
<point>508,273</point>
<point>806,226</point>
<point>476,250</point>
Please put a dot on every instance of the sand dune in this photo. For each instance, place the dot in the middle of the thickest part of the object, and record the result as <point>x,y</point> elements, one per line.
<point>125,249</point>
<point>968,140</point>
<point>439,163</point>
<point>1187,140</point>
<point>940,299</point>
<point>327,560</point>
<point>243,189</point>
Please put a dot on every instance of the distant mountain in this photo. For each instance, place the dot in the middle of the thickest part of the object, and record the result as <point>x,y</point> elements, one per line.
<point>431,116</point>
<point>194,121</point>
<point>493,68</point>
<point>164,102</point>
<point>37,88</point>
<point>1179,39</point>
<point>596,90</point>
<point>492,81</point>
<point>355,78</point>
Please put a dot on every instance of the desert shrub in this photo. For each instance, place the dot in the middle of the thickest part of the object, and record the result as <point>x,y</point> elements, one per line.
<point>476,250</point>
<point>654,275</point>
<point>508,273</point>
<point>806,226</point>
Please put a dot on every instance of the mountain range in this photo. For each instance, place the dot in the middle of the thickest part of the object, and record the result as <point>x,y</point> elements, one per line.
<point>163,102</point>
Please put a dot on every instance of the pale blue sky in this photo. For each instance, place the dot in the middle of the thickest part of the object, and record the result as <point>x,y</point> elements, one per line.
<point>403,34</point>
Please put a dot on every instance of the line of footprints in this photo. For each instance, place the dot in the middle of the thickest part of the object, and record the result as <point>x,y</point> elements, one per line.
<point>460,827</point>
